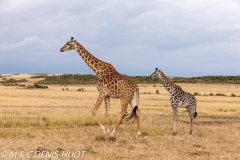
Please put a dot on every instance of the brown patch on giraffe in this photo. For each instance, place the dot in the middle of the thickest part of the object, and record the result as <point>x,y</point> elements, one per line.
<point>96,67</point>
<point>91,62</point>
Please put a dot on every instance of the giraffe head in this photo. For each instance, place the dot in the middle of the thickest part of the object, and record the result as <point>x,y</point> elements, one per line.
<point>71,45</point>
<point>155,74</point>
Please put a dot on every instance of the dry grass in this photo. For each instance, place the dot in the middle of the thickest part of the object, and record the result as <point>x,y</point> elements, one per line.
<point>54,118</point>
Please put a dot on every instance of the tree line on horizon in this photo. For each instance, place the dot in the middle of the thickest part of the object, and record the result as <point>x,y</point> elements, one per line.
<point>93,79</point>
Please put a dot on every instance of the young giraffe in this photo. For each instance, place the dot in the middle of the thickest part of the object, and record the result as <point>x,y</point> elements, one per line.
<point>179,98</point>
<point>111,84</point>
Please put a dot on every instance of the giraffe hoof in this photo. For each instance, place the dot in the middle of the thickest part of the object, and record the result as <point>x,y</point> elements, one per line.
<point>174,133</point>
<point>112,139</point>
<point>191,132</point>
<point>138,134</point>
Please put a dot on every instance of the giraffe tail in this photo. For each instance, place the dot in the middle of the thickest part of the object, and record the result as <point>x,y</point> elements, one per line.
<point>195,115</point>
<point>133,114</point>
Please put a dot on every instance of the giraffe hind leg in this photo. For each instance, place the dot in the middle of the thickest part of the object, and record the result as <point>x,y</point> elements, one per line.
<point>135,112</point>
<point>174,127</point>
<point>192,114</point>
<point>123,115</point>
<point>138,123</point>
<point>136,115</point>
<point>191,128</point>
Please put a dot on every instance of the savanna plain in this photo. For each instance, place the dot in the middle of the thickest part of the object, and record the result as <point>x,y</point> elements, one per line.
<point>59,118</point>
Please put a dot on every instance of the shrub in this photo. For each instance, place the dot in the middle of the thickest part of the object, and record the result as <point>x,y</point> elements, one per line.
<point>30,87</point>
<point>157,91</point>
<point>211,94</point>
<point>40,86</point>
<point>40,76</point>
<point>10,84</point>
<point>11,80</point>
<point>196,94</point>
<point>233,95</point>
<point>220,94</point>
<point>36,86</point>
<point>80,89</point>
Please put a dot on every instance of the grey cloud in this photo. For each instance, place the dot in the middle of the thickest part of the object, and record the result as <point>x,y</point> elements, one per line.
<point>27,42</point>
<point>184,38</point>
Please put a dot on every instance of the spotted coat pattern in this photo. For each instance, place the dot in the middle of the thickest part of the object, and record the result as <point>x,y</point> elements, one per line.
<point>179,98</point>
<point>111,84</point>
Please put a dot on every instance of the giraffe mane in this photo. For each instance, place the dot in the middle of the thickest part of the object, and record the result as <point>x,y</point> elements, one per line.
<point>91,54</point>
<point>169,80</point>
<point>96,57</point>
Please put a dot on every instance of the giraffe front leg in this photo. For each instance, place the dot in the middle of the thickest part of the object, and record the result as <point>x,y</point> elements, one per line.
<point>94,112</point>
<point>107,105</point>
<point>175,118</point>
<point>174,127</point>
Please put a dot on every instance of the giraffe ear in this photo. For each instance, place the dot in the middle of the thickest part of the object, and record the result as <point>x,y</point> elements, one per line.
<point>156,69</point>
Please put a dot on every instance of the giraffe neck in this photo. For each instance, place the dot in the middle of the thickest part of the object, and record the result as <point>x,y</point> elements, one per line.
<point>101,68</point>
<point>167,83</point>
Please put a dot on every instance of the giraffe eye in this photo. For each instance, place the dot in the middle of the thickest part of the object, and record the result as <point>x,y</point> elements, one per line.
<point>68,44</point>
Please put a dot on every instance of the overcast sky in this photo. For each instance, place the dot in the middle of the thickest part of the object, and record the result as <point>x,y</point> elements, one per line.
<point>182,38</point>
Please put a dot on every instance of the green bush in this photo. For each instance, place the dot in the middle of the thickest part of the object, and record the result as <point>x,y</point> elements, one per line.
<point>11,80</point>
<point>40,86</point>
<point>36,86</point>
<point>233,95</point>
<point>30,87</point>
<point>196,94</point>
<point>40,76</point>
<point>211,94</point>
<point>80,89</point>
<point>220,94</point>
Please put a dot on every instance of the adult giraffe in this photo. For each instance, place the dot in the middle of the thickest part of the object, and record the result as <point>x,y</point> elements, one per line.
<point>179,98</point>
<point>111,84</point>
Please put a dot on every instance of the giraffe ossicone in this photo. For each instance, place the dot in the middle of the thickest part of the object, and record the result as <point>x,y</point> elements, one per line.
<point>179,98</point>
<point>111,84</point>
